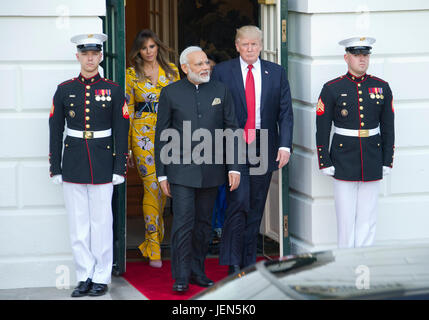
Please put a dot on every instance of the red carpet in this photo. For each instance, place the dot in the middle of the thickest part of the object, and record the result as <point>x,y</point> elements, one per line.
<point>157,284</point>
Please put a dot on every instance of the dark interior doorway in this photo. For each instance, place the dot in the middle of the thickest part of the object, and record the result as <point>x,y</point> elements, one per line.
<point>210,24</point>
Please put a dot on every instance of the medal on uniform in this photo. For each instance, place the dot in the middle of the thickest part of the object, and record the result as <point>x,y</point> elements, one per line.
<point>103,98</point>
<point>97,95</point>
<point>371,92</point>
<point>108,98</point>
<point>376,93</point>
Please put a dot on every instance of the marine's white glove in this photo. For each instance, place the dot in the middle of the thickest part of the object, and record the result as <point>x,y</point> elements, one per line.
<point>57,179</point>
<point>117,179</point>
<point>386,170</point>
<point>329,171</point>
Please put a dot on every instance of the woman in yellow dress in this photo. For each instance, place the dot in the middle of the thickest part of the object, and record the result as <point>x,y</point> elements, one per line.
<point>150,71</point>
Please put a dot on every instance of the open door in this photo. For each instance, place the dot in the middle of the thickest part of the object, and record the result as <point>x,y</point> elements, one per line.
<point>273,23</point>
<point>114,69</point>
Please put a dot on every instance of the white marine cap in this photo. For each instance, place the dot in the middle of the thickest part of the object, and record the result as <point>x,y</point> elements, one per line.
<point>89,41</point>
<point>357,45</point>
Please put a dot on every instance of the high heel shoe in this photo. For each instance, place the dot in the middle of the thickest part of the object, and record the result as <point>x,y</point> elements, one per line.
<point>155,263</point>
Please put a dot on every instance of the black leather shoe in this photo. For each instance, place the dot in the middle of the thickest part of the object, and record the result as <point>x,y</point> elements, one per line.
<point>233,269</point>
<point>82,288</point>
<point>180,286</point>
<point>98,289</point>
<point>201,281</point>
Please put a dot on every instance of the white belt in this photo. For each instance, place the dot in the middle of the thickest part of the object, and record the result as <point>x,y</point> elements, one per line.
<point>363,133</point>
<point>89,134</point>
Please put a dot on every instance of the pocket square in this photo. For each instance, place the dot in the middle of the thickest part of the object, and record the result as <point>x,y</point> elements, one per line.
<point>216,101</point>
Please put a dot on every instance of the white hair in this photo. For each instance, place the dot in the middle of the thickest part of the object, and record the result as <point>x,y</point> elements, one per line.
<point>188,50</point>
<point>248,31</point>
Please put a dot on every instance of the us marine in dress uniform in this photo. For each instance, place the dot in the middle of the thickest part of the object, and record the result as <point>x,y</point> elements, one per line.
<point>360,106</point>
<point>93,160</point>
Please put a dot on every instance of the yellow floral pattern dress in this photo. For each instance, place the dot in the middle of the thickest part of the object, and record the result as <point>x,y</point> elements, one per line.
<point>142,98</point>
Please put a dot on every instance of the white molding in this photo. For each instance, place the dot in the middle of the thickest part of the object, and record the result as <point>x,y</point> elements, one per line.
<point>46,8</point>
<point>357,6</point>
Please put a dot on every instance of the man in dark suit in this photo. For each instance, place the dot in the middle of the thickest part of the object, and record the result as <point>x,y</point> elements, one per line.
<point>190,108</point>
<point>262,106</point>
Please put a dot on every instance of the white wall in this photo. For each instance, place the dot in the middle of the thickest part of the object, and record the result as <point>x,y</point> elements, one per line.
<point>36,55</point>
<point>401,57</point>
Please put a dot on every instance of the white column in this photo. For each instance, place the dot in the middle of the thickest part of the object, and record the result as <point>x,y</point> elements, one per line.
<point>36,55</point>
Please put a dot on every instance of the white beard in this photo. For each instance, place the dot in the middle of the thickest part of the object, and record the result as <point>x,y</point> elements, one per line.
<point>198,78</point>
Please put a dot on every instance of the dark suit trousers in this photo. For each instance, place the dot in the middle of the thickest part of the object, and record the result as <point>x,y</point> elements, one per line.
<point>245,207</point>
<point>191,230</point>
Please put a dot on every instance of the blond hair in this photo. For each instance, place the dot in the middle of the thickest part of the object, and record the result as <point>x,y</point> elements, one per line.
<point>248,32</point>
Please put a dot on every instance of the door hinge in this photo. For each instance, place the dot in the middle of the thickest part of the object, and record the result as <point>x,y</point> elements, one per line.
<point>285,226</point>
<point>284,30</point>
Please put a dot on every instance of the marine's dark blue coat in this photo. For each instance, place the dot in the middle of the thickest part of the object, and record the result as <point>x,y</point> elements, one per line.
<point>356,103</point>
<point>88,161</point>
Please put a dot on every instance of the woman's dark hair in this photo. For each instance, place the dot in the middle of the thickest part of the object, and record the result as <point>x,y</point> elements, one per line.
<point>137,61</point>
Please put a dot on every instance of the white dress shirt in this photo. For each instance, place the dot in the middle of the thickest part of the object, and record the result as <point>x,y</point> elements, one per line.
<point>256,71</point>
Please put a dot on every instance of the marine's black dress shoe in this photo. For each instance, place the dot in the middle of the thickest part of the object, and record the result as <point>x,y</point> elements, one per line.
<point>82,288</point>
<point>201,281</point>
<point>180,286</point>
<point>98,289</point>
<point>233,269</point>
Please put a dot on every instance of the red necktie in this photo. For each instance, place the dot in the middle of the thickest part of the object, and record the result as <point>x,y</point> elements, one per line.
<point>249,128</point>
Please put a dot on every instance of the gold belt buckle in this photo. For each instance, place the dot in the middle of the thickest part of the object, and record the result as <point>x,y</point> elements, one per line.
<point>88,134</point>
<point>363,133</point>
